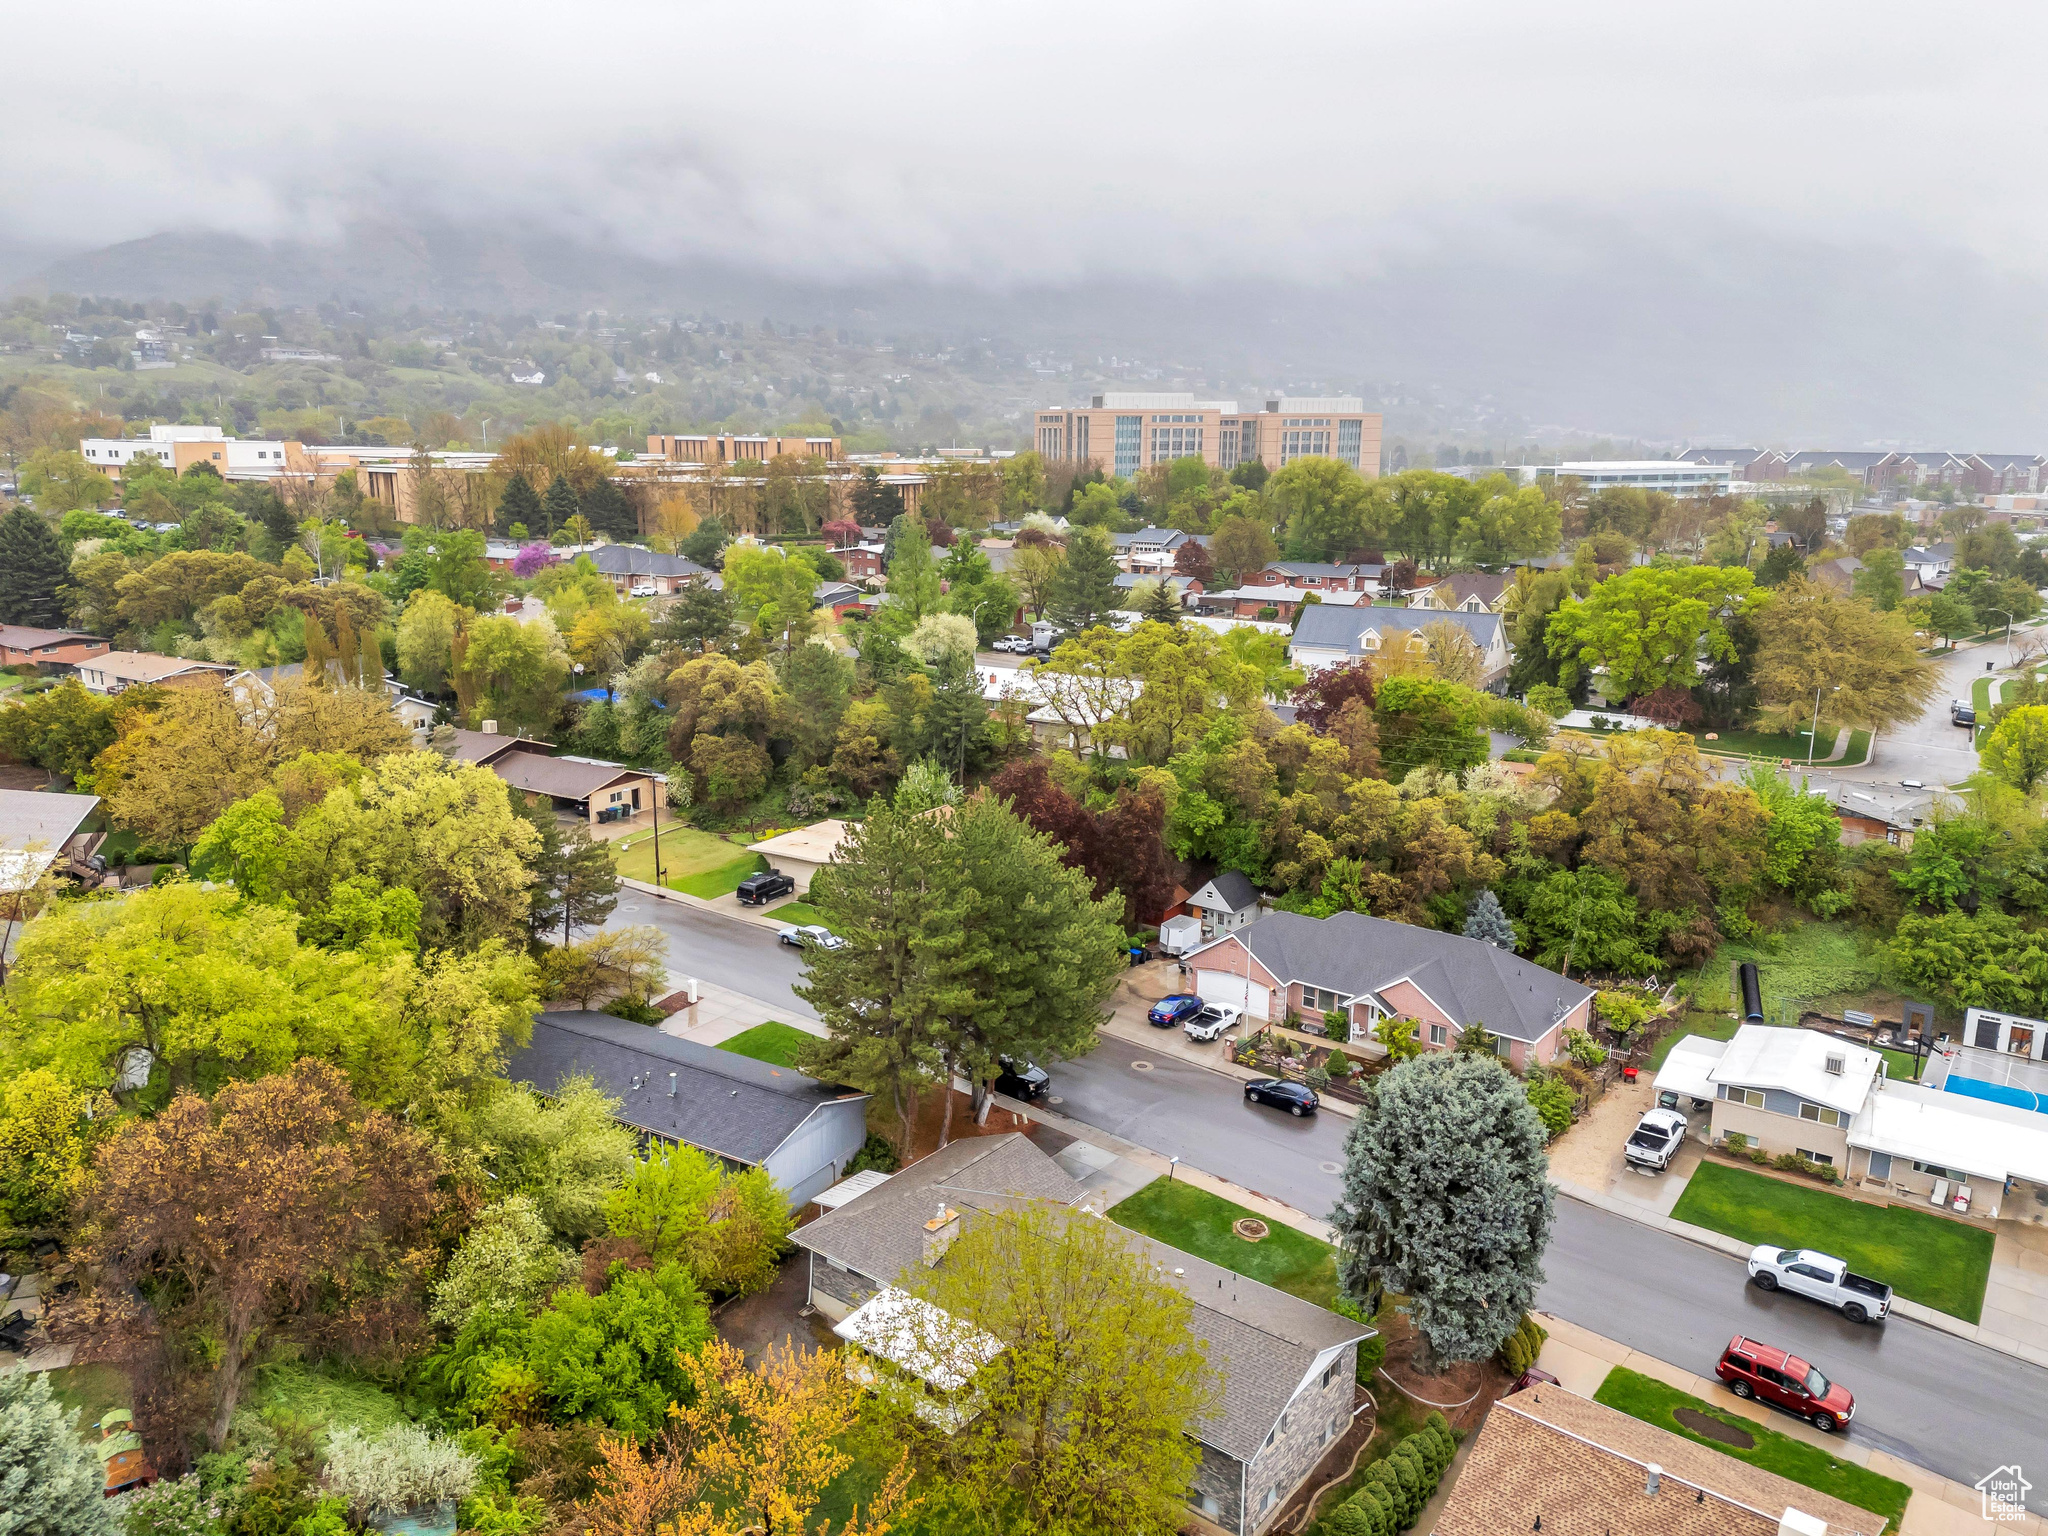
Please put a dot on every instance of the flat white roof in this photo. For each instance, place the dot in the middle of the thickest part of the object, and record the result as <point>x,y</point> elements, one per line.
<point>1795,1061</point>
<point>852,1187</point>
<point>1689,1068</point>
<point>1992,1141</point>
<point>934,1346</point>
<point>815,844</point>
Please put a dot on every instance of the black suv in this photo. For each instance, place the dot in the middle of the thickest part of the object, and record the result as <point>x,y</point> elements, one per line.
<point>759,890</point>
<point>1021,1080</point>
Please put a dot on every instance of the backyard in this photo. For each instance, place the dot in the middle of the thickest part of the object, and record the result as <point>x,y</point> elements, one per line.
<point>695,862</point>
<point>1197,1222</point>
<point>1646,1398</point>
<point>1924,1257</point>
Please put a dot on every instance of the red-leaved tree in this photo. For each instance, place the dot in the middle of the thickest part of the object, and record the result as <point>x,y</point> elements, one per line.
<point>1122,850</point>
<point>1319,701</point>
<point>1192,561</point>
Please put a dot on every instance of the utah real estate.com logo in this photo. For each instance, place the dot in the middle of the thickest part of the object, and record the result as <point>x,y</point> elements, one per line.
<point>2005,1493</point>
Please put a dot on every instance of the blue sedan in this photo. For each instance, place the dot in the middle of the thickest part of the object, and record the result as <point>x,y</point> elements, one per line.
<point>1172,1012</point>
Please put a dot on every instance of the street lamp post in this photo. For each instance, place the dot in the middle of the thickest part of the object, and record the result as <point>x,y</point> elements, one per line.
<point>2008,632</point>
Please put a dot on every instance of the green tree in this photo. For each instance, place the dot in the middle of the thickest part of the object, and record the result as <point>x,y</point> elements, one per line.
<point>59,480</point>
<point>1802,843</point>
<point>515,671</point>
<point>1867,665</point>
<point>616,1357</point>
<point>566,1152</point>
<point>1882,581</point>
<point>1327,507</point>
<point>32,571</point>
<point>1986,960</point>
<point>1085,591</point>
<point>1648,626</point>
<point>1949,616</point>
<point>1240,548</point>
<point>1509,525</point>
<point>507,1261</point>
<point>519,506</point>
<point>913,589</point>
<point>51,1483</point>
<point>63,730</point>
<point>1094,1388</point>
<point>426,637</point>
<point>575,881</point>
<point>706,543</point>
<point>730,1227</point>
<point>559,504</point>
<point>1425,723</point>
<point>701,619</point>
<point>2017,750</point>
<point>42,1148</point>
<point>1445,1201</point>
<point>1585,918</point>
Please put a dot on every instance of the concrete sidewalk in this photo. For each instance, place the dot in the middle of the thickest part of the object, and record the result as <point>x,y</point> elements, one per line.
<point>1580,1359</point>
<point>720,1013</point>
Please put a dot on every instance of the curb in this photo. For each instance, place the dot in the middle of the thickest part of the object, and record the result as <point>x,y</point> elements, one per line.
<point>1222,1066</point>
<point>660,893</point>
<point>1912,1311</point>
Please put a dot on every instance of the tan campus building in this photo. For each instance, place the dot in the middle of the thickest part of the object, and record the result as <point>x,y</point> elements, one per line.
<point>1129,432</point>
<point>732,448</point>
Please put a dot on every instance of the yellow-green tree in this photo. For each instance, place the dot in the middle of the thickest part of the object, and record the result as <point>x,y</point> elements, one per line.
<point>2017,751</point>
<point>42,1148</point>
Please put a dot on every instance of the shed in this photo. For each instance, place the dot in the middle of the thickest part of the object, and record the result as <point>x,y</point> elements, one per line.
<point>749,1113</point>
<point>1225,904</point>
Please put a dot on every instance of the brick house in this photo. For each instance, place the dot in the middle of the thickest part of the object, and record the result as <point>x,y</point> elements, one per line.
<point>1370,969</point>
<point>21,645</point>
<point>1320,576</point>
<point>1286,1368</point>
<point>627,566</point>
<point>1467,592</point>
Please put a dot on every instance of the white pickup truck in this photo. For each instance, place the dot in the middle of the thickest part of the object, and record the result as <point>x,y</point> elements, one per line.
<point>1655,1141</point>
<point>1823,1277</point>
<point>1213,1021</point>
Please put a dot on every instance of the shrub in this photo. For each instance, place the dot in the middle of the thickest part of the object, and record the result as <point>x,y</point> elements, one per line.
<point>1382,1499</point>
<point>1583,1048</point>
<point>1735,1141</point>
<point>1789,1162</point>
<point>1338,1065</point>
<point>402,1468</point>
<point>1522,1347</point>
<point>181,1508</point>
<point>1622,1011</point>
<point>1372,1352</point>
<point>1406,1463</point>
<point>875,1153</point>
<point>1338,1025</point>
<point>1316,1077</point>
<point>1553,1103</point>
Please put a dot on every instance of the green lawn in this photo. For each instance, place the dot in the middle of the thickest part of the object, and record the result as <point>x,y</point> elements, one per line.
<point>1924,1257</point>
<point>92,1390</point>
<point>1197,1222</point>
<point>1646,1398</point>
<point>798,913</point>
<point>771,1042</point>
<point>692,861</point>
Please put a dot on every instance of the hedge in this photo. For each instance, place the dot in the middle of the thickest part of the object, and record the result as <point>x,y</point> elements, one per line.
<point>1398,1484</point>
<point>1522,1347</point>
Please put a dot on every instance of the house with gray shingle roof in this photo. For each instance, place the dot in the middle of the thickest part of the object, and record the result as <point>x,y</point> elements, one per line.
<point>751,1114</point>
<point>1286,1369</point>
<point>1329,636</point>
<point>1369,968</point>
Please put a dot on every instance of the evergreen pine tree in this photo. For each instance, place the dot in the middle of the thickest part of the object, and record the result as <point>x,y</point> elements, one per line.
<point>1445,1201</point>
<point>1161,605</point>
<point>1485,921</point>
<point>1085,591</point>
<point>560,503</point>
<point>50,1480</point>
<point>31,571</point>
<point>609,511</point>
<point>520,504</point>
<point>319,650</point>
<point>705,544</point>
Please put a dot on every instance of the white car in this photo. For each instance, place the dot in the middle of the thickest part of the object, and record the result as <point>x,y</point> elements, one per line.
<point>811,936</point>
<point>1212,1021</point>
<point>1655,1141</point>
<point>1015,644</point>
<point>1808,1272</point>
<point>646,589</point>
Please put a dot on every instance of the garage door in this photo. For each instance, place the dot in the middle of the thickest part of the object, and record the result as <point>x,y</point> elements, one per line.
<point>1228,991</point>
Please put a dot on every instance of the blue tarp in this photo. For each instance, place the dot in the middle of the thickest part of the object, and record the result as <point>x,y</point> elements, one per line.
<point>1995,1093</point>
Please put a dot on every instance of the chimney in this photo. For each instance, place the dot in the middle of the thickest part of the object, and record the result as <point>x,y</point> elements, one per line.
<point>939,1233</point>
<point>671,1085</point>
<point>1798,1523</point>
<point>489,728</point>
<point>1656,1478</point>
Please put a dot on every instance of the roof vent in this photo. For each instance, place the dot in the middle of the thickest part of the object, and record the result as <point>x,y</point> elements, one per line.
<point>488,728</point>
<point>1836,1064</point>
<point>1656,1479</point>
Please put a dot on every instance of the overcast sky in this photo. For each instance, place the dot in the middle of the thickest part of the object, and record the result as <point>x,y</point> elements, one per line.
<point>999,145</point>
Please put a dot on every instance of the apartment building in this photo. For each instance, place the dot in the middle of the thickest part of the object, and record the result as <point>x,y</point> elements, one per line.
<point>178,448</point>
<point>1131,431</point>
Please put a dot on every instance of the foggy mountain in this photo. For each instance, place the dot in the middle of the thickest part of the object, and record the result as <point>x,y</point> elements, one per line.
<point>1563,330</point>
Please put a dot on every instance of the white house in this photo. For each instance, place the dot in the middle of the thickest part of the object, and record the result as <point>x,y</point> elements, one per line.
<point>1225,904</point>
<point>1330,636</point>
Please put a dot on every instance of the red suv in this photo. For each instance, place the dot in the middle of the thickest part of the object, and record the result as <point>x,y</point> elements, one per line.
<point>1785,1381</point>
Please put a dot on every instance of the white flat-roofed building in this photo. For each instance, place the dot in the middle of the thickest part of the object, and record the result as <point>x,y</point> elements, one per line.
<point>1680,477</point>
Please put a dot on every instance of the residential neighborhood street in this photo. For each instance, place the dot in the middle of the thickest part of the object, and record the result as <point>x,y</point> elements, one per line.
<point>1950,1406</point>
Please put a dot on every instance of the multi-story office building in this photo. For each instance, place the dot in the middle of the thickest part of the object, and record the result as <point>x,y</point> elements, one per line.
<point>1680,477</point>
<point>1126,433</point>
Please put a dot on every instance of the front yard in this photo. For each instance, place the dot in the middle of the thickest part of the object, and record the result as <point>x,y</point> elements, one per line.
<point>1646,1398</point>
<point>772,1042</point>
<point>692,861</point>
<point>1930,1259</point>
<point>1197,1222</point>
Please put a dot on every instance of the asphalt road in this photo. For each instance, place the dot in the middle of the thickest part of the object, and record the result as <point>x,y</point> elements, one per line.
<point>1925,1396</point>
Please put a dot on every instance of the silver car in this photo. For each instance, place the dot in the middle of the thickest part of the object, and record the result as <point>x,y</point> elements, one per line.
<point>810,936</point>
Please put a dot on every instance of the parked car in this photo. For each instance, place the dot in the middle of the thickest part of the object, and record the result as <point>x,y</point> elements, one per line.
<point>1963,712</point>
<point>1533,1377</point>
<point>811,936</point>
<point>1785,1381</point>
<point>1177,1009</point>
<point>1296,1098</point>
<point>1021,1080</point>
<point>1655,1141</point>
<point>759,890</point>
<point>1213,1021</point>
<point>1016,645</point>
<point>645,589</point>
<point>1823,1277</point>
